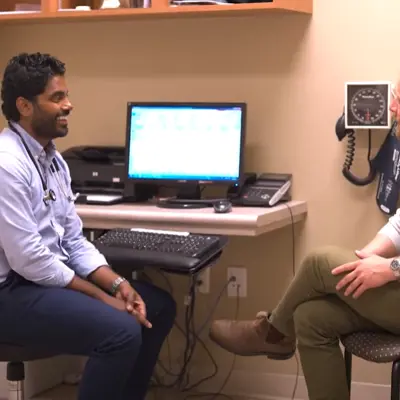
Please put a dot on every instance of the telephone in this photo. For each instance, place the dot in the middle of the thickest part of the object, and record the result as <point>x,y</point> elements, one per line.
<point>264,190</point>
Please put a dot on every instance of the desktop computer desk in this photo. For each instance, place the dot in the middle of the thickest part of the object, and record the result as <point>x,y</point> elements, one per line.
<point>242,221</point>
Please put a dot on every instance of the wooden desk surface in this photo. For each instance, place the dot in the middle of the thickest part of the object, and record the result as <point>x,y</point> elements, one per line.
<point>242,221</point>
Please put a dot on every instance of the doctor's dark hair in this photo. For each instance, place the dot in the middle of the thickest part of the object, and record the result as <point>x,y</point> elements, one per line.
<point>26,75</point>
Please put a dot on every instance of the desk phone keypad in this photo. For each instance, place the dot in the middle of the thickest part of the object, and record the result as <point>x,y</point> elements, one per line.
<point>258,194</point>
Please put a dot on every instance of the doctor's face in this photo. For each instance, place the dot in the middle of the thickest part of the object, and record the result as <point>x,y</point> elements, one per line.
<point>49,119</point>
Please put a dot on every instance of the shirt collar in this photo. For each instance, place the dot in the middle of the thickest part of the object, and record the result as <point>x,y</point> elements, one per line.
<point>37,150</point>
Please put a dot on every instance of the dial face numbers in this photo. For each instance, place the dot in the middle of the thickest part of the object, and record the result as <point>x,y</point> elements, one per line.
<point>367,106</point>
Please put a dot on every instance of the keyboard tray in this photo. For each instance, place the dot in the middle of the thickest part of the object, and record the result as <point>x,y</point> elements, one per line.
<point>169,262</point>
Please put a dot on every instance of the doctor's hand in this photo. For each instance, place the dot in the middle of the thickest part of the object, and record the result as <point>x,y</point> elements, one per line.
<point>370,271</point>
<point>118,304</point>
<point>133,302</point>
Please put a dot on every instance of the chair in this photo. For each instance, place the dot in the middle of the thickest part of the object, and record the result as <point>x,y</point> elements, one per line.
<point>375,347</point>
<point>15,356</point>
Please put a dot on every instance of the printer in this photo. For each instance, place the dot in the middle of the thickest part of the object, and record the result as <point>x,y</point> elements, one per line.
<point>97,173</point>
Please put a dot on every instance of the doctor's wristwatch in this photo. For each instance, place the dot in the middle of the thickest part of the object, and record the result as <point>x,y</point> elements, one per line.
<point>395,267</point>
<point>117,283</point>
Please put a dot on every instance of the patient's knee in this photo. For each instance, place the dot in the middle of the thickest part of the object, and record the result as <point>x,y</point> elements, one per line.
<point>315,322</point>
<point>328,257</point>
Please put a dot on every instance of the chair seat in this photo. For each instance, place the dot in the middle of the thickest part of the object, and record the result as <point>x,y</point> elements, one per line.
<point>372,346</point>
<point>15,353</point>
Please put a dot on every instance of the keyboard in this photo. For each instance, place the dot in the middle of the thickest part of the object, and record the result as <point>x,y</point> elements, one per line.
<point>171,250</point>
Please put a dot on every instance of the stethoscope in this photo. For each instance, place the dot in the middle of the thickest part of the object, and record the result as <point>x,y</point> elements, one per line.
<point>49,194</point>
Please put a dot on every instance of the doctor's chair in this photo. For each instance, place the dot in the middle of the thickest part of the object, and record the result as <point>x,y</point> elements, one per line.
<point>15,356</point>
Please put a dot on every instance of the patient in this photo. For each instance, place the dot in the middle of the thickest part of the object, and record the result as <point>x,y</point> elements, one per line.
<point>335,292</point>
<point>56,290</point>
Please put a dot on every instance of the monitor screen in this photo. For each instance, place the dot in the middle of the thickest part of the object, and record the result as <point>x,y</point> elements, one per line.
<point>185,142</point>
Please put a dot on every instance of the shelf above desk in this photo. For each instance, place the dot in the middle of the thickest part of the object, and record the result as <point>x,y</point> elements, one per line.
<point>242,221</point>
<point>159,9</point>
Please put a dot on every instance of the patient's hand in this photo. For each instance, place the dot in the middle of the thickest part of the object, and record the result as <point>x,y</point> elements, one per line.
<point>363,254</point>
<point>370,271</point>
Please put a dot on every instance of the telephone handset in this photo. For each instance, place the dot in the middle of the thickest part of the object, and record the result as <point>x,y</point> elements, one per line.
<point>264,190</point>
<point>341,132</point>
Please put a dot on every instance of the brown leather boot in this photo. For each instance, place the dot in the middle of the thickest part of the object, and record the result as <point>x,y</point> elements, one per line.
<point>250,338</point>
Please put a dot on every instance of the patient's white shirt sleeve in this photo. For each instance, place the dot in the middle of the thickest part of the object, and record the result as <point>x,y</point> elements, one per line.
<point>392,229</point>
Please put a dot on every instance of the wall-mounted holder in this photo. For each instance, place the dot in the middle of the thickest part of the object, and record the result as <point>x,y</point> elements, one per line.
<point>367,107</point>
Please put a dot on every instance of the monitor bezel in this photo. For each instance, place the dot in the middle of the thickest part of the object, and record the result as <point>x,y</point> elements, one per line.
<point>178,182</point>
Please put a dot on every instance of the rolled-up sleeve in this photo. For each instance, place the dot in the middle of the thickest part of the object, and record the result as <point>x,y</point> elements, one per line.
<point>392,229</point>
<point>19,236</point>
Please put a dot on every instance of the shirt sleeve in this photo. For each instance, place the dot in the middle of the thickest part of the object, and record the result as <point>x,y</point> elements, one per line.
<point>392,229</point>
<point>84,258</point>
<point>19,235</point>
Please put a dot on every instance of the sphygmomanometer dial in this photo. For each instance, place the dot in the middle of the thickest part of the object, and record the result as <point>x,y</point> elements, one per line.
<point>368,106</point>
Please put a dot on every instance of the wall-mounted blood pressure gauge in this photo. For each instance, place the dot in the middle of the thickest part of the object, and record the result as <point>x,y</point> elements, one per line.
<point>367,105</point>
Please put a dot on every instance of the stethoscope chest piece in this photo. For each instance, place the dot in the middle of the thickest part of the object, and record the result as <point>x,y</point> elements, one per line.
<point>49,195</point>
<point>52,195</point>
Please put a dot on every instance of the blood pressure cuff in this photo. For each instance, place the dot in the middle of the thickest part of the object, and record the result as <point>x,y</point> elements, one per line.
<point>387,164</point>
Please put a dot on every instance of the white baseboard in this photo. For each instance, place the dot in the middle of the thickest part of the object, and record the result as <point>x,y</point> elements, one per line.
<point>265,386</point>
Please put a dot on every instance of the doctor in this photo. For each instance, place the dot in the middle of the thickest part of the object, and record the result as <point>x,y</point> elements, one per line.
<point>56,289</point>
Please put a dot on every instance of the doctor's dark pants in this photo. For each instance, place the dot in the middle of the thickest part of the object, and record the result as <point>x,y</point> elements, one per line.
<point>122,354</point>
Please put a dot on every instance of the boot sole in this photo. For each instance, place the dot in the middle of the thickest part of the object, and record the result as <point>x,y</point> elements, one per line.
<point>270,355</point>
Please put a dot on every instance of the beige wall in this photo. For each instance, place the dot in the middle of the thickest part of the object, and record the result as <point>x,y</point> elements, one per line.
<point>289,69</point>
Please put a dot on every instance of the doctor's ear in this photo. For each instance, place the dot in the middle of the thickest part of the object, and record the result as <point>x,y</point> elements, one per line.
<point>24,107</point>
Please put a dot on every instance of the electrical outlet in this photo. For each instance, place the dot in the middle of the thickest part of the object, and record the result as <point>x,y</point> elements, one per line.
<point>240,274</point>
<point>204,277</point>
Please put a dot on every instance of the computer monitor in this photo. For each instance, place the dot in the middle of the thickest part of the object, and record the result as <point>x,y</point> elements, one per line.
<point>186,145</point>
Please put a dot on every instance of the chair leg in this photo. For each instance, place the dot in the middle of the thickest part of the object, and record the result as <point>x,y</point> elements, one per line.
<point>395,386</point>
<point>348,364</point>
<point>15,378</point>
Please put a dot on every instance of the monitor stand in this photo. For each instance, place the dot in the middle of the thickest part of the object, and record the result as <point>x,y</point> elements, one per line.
<point>188,196</point>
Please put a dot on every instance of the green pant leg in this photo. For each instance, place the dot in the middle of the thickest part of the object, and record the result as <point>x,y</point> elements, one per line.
<point>319,324</point>
<point>314,280</point>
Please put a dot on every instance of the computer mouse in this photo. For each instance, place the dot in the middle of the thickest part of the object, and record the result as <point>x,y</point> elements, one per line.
<point>222,206</point>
